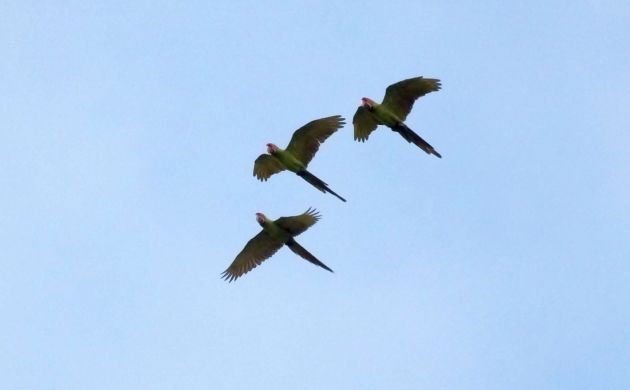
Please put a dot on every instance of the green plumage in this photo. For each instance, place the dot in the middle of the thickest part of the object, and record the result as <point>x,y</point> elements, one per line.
<point>289,161</point>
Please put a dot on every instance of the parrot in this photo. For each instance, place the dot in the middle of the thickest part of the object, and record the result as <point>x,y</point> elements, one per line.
<point>392,112</point>
<point>274,235</point>
<point>301,149</point>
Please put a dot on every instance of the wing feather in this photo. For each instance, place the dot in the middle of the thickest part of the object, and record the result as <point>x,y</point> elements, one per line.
<point>364,124</point>
<point>267,165</point>
<point>306,140</point>
<point>298,224</point>
<point>257,250</point>
<point>399,97</point>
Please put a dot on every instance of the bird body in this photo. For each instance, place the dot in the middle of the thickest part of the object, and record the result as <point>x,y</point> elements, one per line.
<point>382,114</point>
<point>273,230</point>
<point>273,236</point>
<point>287,159</point>
<point>397,103</point>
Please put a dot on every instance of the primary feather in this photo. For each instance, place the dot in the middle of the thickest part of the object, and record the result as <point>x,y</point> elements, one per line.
<point>265,166</point>
<point>306,140</point>
<point>399,97</point>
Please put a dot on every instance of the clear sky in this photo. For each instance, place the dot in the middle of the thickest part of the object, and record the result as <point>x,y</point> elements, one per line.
<point>128,132</point>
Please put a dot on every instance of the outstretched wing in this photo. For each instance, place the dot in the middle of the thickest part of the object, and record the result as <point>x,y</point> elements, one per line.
<point>257,250</point>
<point>399,97</point>
<point>298,224</point>
<point>267,165</point>
<point>364,123</point>
<point>306,140</point>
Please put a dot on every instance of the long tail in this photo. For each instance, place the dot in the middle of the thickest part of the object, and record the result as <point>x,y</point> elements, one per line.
<point>414,138</point>
<point>317,182</point>
<point>303,253</point>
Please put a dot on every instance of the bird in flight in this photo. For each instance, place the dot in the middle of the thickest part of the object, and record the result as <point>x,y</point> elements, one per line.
<point>392,112</point>
<point>299,153</point>
<point>272,237</point>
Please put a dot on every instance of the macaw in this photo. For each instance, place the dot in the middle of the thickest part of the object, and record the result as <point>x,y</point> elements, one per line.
<point>300,151</point>
<point>274,235</point>
<point>392,112</point>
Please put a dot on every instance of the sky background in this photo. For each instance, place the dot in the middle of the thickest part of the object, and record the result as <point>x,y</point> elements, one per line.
<point>128,132</point>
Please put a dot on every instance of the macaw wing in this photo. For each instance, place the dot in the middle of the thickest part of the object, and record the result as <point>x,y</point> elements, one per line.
<point>298,224</point>
<point>306,140</point>
<point>364,123</point>
<point>267,165</point>
<point>399,97</point>
<point>257,250</point>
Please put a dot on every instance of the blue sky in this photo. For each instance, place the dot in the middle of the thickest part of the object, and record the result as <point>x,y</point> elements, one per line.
<point>128,133</point>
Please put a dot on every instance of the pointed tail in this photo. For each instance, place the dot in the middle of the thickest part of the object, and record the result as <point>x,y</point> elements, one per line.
<point>414,138</point>
<point>303,253</point>
<point>317,182</point>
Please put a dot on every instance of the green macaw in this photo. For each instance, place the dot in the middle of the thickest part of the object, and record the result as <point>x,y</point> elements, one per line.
<point>300,151</point>
<point>274,235</point>
<point>392,112</point>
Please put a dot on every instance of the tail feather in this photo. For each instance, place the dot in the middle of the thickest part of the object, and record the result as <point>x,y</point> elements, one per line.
<point>317,183</point>
<point>415,139</point>
<point>303,253</point>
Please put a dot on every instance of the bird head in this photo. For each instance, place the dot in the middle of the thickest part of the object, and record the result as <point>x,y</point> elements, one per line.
<point>271,148</point>
<point>367,102</point>
<point>261,219</point>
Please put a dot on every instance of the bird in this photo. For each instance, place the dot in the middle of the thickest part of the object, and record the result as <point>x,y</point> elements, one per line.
<point>392,112</point>
<point>299,153</point>
<point>270,239</point>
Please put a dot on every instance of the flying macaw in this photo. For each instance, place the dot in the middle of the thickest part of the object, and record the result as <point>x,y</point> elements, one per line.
<point>392,112</point>
<point>274,235</point>
<point>300,151</point>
